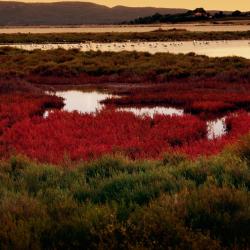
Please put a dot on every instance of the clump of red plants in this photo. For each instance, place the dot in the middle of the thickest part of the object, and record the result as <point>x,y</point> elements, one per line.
<point>86,136</point>
<point>203,98</point>
<point>18,106</point>
<point>237,125</point>
<point>75,136</point>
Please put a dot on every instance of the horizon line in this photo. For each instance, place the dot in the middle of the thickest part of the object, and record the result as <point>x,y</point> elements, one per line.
<point>113,6</point>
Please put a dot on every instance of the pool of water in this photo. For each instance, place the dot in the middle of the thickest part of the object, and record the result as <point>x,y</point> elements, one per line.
<point>153,110</point>
<point>216,128</point>
<point>89,102</point>
<point>209,48</point>
<point>126,28</point>
<point>84,102</point>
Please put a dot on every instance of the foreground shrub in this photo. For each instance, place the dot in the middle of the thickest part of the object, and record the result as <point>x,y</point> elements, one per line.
<point>126,204</point>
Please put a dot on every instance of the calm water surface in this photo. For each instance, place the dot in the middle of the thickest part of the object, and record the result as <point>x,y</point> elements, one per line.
<point>209,48</point>
<point>126,28</point>
<point>89,102</point>
<point>83,102</point>
<point>216,128</point>
<point>153,110</point>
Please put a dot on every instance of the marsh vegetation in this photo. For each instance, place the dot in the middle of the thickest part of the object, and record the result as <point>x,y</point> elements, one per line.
<point>114,179</point>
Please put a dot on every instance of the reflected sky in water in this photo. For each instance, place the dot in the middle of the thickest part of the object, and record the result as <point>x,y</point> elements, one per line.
<point>216,128</point>
<point>209,48</point>
<point>125,28</point>
<point>89,102</point>
<point>84,102</point>
<point>151,111</point>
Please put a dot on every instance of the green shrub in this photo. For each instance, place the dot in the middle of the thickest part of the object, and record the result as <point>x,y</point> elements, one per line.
<point>116,203</point>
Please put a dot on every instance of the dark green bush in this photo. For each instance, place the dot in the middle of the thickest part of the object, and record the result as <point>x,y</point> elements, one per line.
<point>115,203</point>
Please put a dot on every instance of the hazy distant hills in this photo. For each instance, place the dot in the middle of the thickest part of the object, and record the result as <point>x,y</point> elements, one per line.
<point>72,13</point>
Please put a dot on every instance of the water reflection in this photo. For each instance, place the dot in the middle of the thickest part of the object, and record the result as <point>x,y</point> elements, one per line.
<point>83,102</point>
<point>154,110</point>
<point>209,48</point>
<point>89,102</point>
<point>216,128</point>
<point>125,28</point>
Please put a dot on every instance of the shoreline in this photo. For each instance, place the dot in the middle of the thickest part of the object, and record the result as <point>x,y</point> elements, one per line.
<point>123,28</point>
<point>157,35</point>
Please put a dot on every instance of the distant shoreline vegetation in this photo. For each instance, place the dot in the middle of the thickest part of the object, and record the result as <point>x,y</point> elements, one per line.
<point>62,66</point>
<point>196,15</point>
<point>156,35</point>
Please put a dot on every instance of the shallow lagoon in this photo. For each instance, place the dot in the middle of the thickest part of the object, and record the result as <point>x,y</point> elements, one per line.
<point>209,48</point>
<point>244,26</point>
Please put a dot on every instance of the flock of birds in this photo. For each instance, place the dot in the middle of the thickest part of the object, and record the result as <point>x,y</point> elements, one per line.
<point>159,46</point>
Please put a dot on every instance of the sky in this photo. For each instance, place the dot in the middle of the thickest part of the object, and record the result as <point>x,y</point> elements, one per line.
<point>243,5</point>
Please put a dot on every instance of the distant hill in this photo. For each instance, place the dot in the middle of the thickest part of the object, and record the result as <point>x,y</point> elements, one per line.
<point>72,13</point>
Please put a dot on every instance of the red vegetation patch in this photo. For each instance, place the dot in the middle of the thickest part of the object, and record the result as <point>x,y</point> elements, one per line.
<point>16,107</point>
<point>203,98</point>
<point>82,136</point>
<point>88,136</point>
<point>237,124</point>
<point>210,106</point>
